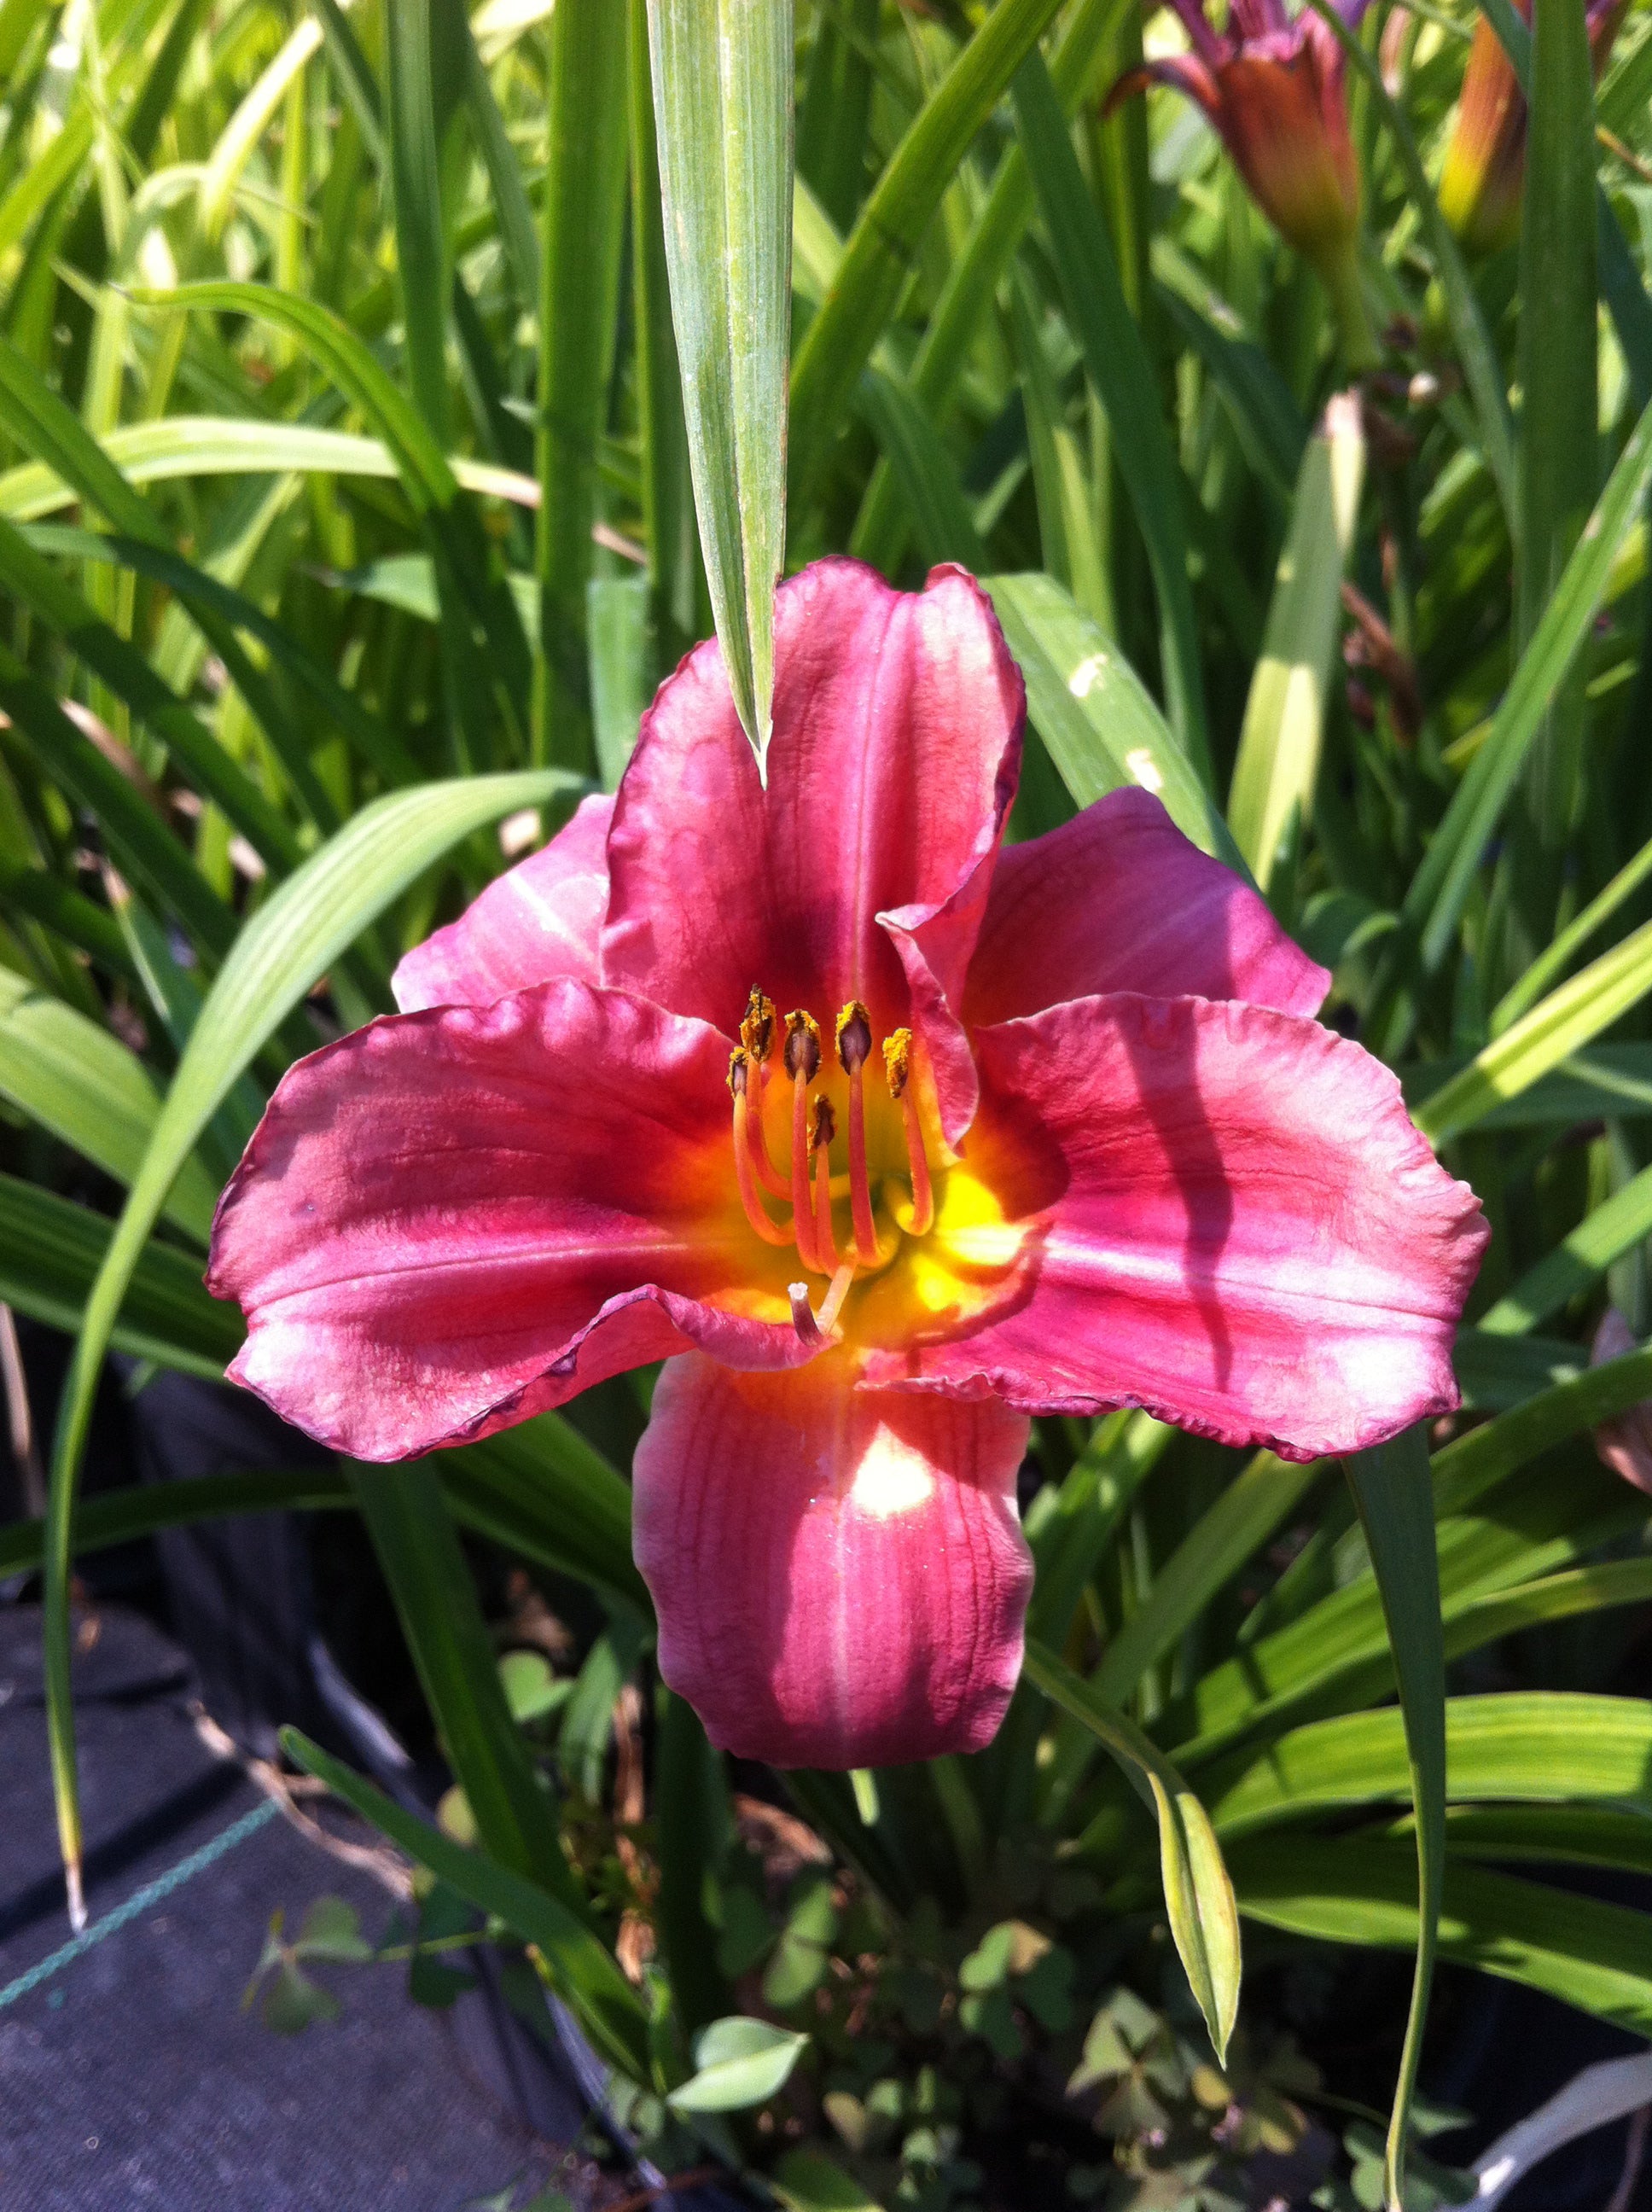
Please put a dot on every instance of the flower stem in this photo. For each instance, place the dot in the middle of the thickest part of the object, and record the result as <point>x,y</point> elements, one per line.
<point>1339,272</point>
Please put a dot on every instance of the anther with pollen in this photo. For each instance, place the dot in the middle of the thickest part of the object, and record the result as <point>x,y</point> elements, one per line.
<point>801,1057</point>
<point>757,1030</point>
<point>758,1035</point>
<point>740,1084</point>
<point>854,1050</point>
<point>897,1070</point>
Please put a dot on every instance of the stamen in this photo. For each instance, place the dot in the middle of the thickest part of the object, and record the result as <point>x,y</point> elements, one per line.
<point>853,1036</point>
<point>739,1073</point>
<point>801,1054</point>
<point>820,1139</point>
<point>802,1059</point>
<point>758,1035</point>
<point>757,1029</point>
<point>897,1061</point>
<point>898,1067</point>
<point>853,1049</point>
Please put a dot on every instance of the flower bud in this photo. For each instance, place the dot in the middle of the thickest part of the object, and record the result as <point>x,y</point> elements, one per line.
<point>1485,169</point>
<point>1273,89</point>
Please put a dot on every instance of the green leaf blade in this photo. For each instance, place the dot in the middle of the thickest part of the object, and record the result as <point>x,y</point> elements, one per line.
<point>313,918</point>
<point>723,94</point>
<point>1272,796</point>
<point>1393,1490</point>
<point>1198,1894</point>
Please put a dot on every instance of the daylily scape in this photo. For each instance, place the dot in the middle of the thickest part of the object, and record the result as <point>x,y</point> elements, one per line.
<point>883,1135</point>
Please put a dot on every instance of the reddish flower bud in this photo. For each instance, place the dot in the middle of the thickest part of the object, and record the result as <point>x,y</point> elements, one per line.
<point>1486,160</point>
<point>1273,88</point>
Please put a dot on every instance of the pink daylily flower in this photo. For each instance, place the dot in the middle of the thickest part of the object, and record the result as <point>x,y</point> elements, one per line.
<point>882,1140</point>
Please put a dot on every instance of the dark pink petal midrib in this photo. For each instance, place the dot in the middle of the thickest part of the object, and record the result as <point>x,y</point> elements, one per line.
<point>855,919</point>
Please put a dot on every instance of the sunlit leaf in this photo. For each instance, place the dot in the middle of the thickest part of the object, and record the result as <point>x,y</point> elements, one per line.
<point>1198,1894</point>
<point>723,90</point>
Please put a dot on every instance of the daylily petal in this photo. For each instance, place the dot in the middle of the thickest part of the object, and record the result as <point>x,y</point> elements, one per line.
<point>1216,1212</point>
<point>1192,74</point>
<point>840,1574</point>
<point>898,719</point>
<point>1255,20</point>
<point>1119,900</point>
<point>1196,24</point>
<point>451,1221</point>
<point>542,918</point>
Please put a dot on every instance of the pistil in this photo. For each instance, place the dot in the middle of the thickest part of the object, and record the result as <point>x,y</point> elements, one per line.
<point>816,1328</point>
<point>803,1315</point>
<point>801,1055</point>
<point>853,1049</point>
<point>897,1068</point>
<point>832,1304</point>
<point>739,1079</point>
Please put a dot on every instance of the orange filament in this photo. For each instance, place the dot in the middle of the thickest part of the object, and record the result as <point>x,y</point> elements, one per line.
<point>802,1059</point>
<point>853,1048</point>
<point>898,1069</point>
<point>802,1199</point>
<point>758,1035</point>
<point>812,1187</point>
<point>767,1174</point>
<point>824,1130</point>
<point>739,1070</point>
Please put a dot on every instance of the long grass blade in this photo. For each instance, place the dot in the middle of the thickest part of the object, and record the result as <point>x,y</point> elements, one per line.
<point>437,1603</point>
<point>1392,1490</point>
<point>125,1517</point>
<point>967,294</point>
<point>584,216</point>
<point>1122,375</point>
<point>1102,728</point>
<point>51,1250</point>
<point>1204,1918</point>
<point>1270,800</point>
<point>1558,374</point>
<point>1439,890</point>
<point>1570,1016</point>
<point>1349,1889</point>
<point>722,80</point>
<point>892,224</point>
<point>291,942</point>
<point>578,1963</point>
